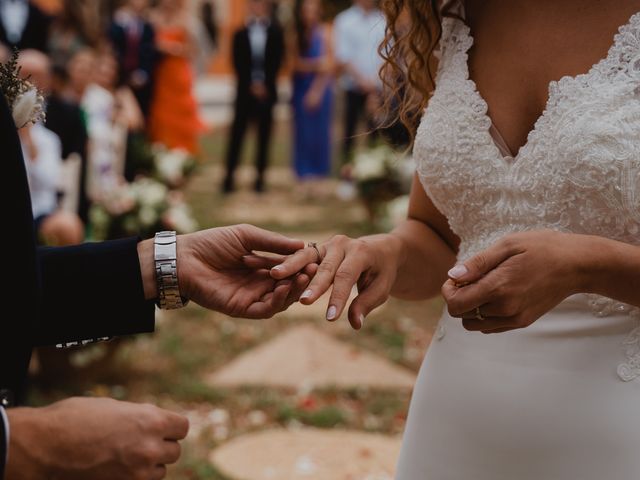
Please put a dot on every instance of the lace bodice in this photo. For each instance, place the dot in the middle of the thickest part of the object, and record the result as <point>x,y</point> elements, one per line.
<point>579,170</point>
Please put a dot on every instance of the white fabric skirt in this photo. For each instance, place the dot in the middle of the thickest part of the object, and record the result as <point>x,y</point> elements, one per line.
<point>542,403</point>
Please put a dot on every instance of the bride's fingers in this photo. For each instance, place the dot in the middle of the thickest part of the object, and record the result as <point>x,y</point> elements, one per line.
<point>489,324</point>
<point>344,279</point>
<point>295,263</point>
<point>367,301</point>
<point>325,276</point>
<point>259,262</point>
<point>465,299</point>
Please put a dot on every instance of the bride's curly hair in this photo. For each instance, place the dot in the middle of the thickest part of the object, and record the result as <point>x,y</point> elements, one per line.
<point>413,31</point>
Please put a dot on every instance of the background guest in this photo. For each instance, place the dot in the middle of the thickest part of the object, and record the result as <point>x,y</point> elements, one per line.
<point>77,26</point>
<point>133,41</point>
<point>174,119</point>
<point>258,51</point>
<point>359,31</point>
<point>23,25</point>
<point>66,119</point>
<point>63,118</point>
<point>112,113</point>
<point>312,92</point>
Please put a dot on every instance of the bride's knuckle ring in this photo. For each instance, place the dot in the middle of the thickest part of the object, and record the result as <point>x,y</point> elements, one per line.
<point>479,315</point>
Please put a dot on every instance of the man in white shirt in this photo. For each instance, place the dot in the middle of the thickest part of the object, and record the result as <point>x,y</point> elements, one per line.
<point>42,156</point>
<point>359,31</point>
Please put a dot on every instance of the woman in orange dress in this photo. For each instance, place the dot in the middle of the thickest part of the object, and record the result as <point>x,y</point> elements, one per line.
<point>174,119</point>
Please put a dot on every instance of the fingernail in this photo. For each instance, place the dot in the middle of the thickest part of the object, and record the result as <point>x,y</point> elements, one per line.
<point>277,268</point>
<point>306,294</point>
<point>362,321</point>
<point>458,271</point>
<point>331,313</point>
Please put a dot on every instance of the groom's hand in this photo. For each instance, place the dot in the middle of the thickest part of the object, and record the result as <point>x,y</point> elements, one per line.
<point>212,271</point>
<point>93,438</point>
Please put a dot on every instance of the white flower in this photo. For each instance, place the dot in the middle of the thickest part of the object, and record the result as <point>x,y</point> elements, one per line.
<point>147,216</point>
<point>149,192</point>
<point>27,108</point>
<point>178,217</point>
<point>372,164</point>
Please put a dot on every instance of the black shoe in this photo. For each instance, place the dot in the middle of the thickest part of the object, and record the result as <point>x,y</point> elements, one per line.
<point>259,186</point>
<point>228,187</point>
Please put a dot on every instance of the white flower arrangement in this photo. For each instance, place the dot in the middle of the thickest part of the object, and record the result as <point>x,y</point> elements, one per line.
<point>24,98</point>
<point>172,165</point>
<point>140,208</point>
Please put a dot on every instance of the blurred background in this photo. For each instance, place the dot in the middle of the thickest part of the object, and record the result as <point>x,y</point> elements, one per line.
<point>191,114</point>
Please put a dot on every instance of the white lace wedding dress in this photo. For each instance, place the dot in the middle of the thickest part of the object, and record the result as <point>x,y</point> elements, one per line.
<point>559,400</point>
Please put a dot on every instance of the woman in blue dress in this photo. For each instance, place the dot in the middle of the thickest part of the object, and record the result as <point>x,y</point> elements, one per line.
<point>312,92</point>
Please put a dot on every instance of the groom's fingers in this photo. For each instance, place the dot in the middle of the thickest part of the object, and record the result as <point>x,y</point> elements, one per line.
<point>262,262</point>
<point>272,304</point>
<point>257,239</point>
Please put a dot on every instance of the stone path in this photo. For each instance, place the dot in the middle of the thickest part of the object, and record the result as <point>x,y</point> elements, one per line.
<point>305,357</point>
<point>308,454</point>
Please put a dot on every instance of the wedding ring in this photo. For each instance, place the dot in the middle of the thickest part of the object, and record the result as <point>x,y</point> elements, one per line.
<point>479,315</point>
<point>314,245</point>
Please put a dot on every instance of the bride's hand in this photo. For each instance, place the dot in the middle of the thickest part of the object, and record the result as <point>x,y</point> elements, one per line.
<point>516,281</point>
<point>370,263</point>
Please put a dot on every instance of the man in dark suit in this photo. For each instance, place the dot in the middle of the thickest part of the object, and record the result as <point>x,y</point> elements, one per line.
<point>23,25</point>
<point>258,51</point>
<point>73,296</point>
<point>133,40</point>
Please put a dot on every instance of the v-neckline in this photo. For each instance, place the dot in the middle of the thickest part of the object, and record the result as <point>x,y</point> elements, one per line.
<point>513,159</point>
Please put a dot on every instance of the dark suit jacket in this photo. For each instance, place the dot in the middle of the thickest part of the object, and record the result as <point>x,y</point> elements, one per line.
<point>146,54</point>
<point>243,61</point>
<point>62,294</point>
<point>36,31</point>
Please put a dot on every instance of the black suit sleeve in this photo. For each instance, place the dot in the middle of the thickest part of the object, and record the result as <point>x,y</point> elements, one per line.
<point>279,49</point>
<point>91,291</point>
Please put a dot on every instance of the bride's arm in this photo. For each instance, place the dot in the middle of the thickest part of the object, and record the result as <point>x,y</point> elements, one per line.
<point>428,248</point>
<point>610,268</point>
<point>411,262</point>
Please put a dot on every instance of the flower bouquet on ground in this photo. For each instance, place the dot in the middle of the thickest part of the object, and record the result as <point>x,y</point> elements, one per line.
<point>380,175</point>
<point>142,207</point>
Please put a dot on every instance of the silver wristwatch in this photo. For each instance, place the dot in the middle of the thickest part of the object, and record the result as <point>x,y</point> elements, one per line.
<point>166,262</point>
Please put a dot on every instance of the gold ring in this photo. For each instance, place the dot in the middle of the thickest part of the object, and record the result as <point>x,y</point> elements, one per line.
<point>479,315</point>
<point>314,245</point>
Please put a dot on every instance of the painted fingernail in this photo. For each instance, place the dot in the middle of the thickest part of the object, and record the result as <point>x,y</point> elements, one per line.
<point>331,312</point>
<point>277,268</point>
<point>306,294</point>
<point>458,271</point>
<point>362,321</point>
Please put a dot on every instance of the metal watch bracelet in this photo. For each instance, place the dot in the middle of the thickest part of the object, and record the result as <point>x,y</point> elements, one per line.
<point>166,263</point>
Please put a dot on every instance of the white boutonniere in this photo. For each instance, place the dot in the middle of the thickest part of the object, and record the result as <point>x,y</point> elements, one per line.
<point>23,97</point>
